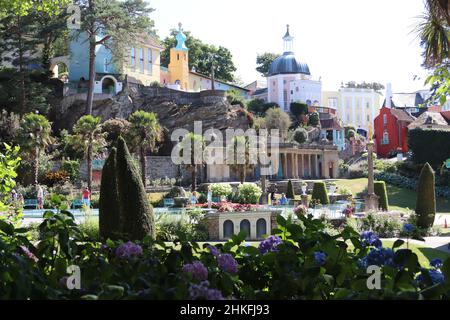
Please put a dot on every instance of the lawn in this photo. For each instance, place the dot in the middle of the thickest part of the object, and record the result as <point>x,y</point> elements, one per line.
<point>425,254</point>
<point>399,198</point>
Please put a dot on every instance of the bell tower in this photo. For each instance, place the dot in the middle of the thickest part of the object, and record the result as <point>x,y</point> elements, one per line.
<point>179,62</point>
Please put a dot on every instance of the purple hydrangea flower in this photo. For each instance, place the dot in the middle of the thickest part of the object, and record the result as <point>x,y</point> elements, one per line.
<point>370,238</point>
<point>270,244</point>
<point>197,270</point>
<point>435,275</point>
<point>227,263</point>
<point>128,250</point>
<point>29,254</point>
<point>436,263</point>
<point>202,291</point>
<point>320,257</point>
<point>379,257</point>
<point>214,251</point>
<point>408,227</point>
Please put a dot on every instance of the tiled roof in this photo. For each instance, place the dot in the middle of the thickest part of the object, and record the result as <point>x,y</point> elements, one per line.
<point>428,118</point>
<point>402,115</point>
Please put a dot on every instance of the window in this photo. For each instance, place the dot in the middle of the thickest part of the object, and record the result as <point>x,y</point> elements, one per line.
<point>385,138</point>
<point>385,119</point>
<point>141,59</point>
<point>368,118</point>
<point>296,89</point>
<point>105,65</point>
<point>367,105</point>
<point>285,99</point>
<point>178,56</point>
<point>261,228</point>
<point>292,92</point>
<point>133,57</point>
<point>245,226</point>
<point>149,60</point>
<point>228,229</point>
<point>284,81</point>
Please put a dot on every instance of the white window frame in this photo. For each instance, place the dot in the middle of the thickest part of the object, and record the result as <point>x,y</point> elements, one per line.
<point>149,60</point>
<point>133,57</point>
<point>141,60</point>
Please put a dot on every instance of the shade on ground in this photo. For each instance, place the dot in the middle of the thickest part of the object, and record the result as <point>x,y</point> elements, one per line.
<point>399,198</point>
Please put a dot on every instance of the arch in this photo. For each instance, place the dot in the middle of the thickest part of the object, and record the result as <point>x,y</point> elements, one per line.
<point>228,228</point>
<point>261,228</point>
<point>59,65</point>
<point>245,226</point>
<point>109,84</point>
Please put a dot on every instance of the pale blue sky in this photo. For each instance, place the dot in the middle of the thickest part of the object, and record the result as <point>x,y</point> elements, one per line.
<point>361,40</point>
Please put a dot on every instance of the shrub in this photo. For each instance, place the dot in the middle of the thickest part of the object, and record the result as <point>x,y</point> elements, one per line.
<point>137,213</point>
<point>429,145</point>
<point>350,134</point>
<point>381,192</point>
<point>72,167</point>
<point>259,107</point>
<point>386,226</point>
<point>221,189</point>
<point>110,223</point>
<point>426,198</point>
<point>300,135</point>
<point>298,108</point>
<point>58,177</point>
<point>290,191</point>
<point>314,119</point>
<point>235,98</point>
<point>320,193</point>
<point>249,193</point>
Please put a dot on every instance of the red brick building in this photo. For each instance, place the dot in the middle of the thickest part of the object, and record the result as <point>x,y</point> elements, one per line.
<point>391,131</point>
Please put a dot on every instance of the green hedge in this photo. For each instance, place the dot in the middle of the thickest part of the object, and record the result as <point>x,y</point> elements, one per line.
<point>290,190</point>
<point>429,145</point>
<point>381,192</point>
<point>320,193</point>
<point>426,198</point>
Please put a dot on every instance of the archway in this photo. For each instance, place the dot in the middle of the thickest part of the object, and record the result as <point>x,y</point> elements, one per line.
<point>245,226</point>
<point>228,229</point>
<point>261,228</point>
<point>108,85</point>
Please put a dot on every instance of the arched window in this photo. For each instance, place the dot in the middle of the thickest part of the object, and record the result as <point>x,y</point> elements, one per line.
<point>261,228</point>
<point>385,138</point>
<point>228,229</point>
<point>245,226</point>
<point>385,119</point>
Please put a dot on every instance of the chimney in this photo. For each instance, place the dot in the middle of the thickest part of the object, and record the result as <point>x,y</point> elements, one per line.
<point>388,95</point>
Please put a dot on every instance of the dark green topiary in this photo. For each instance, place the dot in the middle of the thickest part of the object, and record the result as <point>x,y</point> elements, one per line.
<point>426,198</point>
<point>109,208</point>
<point>380,191</point>
<point>320,193</point>
<point>137,213</point>
<point>290,191</point>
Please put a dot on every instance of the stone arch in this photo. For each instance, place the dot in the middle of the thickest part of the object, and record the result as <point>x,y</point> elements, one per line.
<point>261,228</point>
<point>108,84</point>
<point>245,226</point>
<point>228,229</point>
<point>55,64</point>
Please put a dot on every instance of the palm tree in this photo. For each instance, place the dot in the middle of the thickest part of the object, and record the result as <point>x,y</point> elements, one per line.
<point>194,141</point>
<point>89,137</point>
<point>34,136</point>
<point>240,154</point>
<point>434,32</point>
<point>145,132</point>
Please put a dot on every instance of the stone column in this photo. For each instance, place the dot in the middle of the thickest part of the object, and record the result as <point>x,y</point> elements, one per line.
<point>295,166</point>
<point>303,166</point>
<point>285,168</point>
<point>371,199</point>
<point>317,166</point>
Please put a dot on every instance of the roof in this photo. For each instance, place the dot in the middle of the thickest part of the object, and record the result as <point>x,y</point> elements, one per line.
<point>328,121</point>
<point>402,115</point>
<point>446,115</point>
<point>151,40</point>
<point>406,100</point>
<point>220,81</point>
<point>428,118</point>
<point>259,91</point>
<point>287,64</point>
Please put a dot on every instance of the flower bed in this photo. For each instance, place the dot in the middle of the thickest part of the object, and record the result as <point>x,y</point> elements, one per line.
<point>226,206</point>
<point>299,261</point>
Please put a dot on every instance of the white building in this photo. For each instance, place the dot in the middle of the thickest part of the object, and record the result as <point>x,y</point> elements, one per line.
<point>290,81</point>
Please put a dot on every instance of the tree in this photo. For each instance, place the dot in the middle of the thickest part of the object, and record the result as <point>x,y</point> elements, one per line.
<point>365,85</point>
<point>259,106</point>
<point>263,62</point>
<point>145,132</point>
<point>110,220</point>
<point>240,154</point>
<point>426,197</point>
<point>300,135</point>
<point>314,119</point>
<point>24,7</point>
<point>278,119</point>
<point>136,212</point>
<point>193,141</point>
<point>298,108</point>
<point>9,161</point>
<point>115,25</point>
<point>320,193</point>
<point>381,192</point>
<point>290,190</point>
<point>200,56</point>
<point>34,137</point>
<point>88,136</point>
<point>114,128</point>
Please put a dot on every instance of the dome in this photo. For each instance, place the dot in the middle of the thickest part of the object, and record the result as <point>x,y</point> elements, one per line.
<point>287,64</point>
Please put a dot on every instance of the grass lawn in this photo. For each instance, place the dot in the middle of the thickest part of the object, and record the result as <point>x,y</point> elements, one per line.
<point>399,198</point>
<point>425,254</point>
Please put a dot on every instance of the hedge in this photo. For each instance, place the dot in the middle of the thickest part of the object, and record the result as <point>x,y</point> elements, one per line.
<point>320,193</point>
<point>429,145</point>
<point>290,190</point>
<point>426,198</point>
<point>381,192</point>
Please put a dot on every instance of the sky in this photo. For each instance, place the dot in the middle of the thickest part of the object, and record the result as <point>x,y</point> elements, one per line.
<point>340,40</point>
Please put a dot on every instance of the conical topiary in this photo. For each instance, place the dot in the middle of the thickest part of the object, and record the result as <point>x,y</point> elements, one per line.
<point>290,191</point>
<point>109,207</point>
<point>426,198</point>
<point>137,213</point>
<point>380,191</point>
<point>320,193</point>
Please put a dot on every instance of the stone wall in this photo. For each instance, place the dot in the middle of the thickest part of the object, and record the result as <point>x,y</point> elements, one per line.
<point>182,97</point>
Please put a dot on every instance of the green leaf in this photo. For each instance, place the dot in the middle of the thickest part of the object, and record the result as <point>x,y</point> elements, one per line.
<point>281,221</point>
<point>446,270</point>
<point>398,243</point>
<point>6,227</point>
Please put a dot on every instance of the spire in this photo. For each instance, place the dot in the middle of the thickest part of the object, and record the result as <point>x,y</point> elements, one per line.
<point>181,39</point>
<point>388,95</point>
<point>288,41</point>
